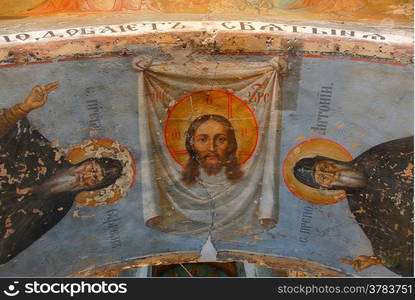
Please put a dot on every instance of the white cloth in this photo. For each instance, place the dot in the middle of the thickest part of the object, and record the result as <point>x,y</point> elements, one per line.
<point>213,204</point>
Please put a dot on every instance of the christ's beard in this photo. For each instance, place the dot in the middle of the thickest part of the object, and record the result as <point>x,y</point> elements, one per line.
<point>63,181</point>
<point>350,178</point>
<point>212,168</point>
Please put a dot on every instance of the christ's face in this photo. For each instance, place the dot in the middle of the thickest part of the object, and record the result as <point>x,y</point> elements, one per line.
<point>328,174</point>
<point>211,145</point>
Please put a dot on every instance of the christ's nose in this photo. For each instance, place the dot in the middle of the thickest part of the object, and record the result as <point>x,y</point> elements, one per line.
<point>211,145</point>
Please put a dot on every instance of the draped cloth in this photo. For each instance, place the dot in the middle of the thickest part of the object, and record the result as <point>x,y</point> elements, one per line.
<point>213,205</point>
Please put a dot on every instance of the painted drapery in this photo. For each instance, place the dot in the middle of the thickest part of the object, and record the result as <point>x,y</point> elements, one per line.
<point>170,98</point>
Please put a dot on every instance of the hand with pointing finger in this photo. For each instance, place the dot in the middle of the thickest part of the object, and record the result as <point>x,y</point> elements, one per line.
<point>38,96</point>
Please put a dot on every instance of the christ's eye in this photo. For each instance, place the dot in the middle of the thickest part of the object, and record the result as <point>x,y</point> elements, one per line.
<point>202,139</point>
<point>221,140</point>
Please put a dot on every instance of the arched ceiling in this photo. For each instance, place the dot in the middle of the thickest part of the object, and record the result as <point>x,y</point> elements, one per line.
<point>387,11</point>
<point>350,62</point>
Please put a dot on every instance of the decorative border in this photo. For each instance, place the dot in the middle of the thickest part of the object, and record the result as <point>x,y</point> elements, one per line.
<point>211,27</point>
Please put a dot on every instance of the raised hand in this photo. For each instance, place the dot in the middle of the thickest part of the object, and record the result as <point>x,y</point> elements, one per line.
<point>38,96</point>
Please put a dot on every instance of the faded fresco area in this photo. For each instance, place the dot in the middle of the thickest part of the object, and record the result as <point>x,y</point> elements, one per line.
<point>378,185</point>
<point>39,184</point>
<point>113,159</point>
<point>388,11</point>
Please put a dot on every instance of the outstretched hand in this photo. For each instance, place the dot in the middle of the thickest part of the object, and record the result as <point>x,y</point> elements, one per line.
<point>362,262</point>
<point>38,96</point>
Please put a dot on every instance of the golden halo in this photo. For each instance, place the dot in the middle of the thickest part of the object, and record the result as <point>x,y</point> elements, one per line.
<point>208,102</point>
<point>311,148</point>
<point>105,148</point>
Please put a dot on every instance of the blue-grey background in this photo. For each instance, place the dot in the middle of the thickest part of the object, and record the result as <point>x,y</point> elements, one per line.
<point>371,103</point>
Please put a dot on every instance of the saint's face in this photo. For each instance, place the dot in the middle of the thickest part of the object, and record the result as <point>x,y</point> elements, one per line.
<point>91,174</point>
<point>325,173</point>
<point>211,143</point>
<point>328,174</point>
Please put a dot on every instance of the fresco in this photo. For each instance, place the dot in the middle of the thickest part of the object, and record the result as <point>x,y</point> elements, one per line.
<point>379,187</point>
<point>328,162</point>
<point>114,159</point>
<point>389,11</point>
<point>39,185</point>
<point>210,166</point>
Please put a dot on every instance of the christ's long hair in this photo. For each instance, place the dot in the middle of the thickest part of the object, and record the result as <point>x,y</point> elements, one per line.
<point>192,169</point>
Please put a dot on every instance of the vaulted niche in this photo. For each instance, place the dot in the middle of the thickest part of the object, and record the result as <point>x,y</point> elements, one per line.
<point>206,138</point>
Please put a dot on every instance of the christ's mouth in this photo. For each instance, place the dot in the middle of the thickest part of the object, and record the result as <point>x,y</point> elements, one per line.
<point>211,156</point>
<point>212,163</point>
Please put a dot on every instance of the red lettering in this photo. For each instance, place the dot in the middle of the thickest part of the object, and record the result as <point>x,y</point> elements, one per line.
<point>175,134</point>
<point>158,96</point>
<point>209,100</point>
<point>244,131</point>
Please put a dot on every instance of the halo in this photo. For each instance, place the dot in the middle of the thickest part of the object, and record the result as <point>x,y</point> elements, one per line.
<point>311,148</point>
<point>100,148</point>
<point>207,102</point>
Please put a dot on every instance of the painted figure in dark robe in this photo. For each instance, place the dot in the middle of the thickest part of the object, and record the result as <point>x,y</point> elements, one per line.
<point>37,185</point>
<point>379,188</point>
